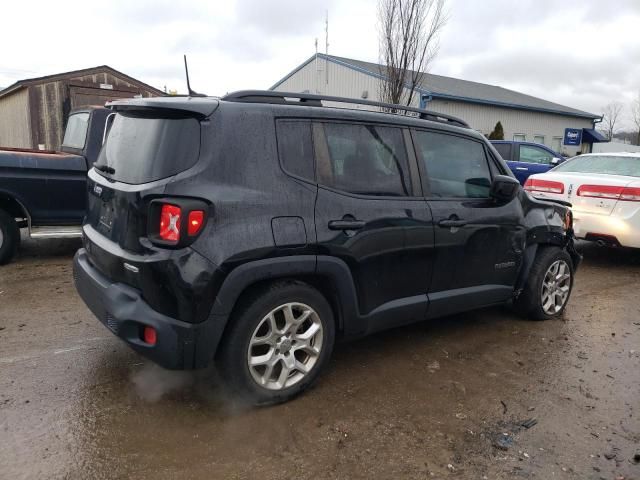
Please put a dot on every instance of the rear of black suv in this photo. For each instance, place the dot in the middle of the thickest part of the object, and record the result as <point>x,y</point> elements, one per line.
<point>135,238</point>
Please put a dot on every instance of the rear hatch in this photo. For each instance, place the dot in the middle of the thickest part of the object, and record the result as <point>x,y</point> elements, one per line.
<point>144,149</point>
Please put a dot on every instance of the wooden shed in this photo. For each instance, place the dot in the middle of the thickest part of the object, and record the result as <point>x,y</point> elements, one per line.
<point>34,112</point>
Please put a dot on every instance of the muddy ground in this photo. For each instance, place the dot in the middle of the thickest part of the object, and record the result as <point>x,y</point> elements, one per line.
<point>442,399</point>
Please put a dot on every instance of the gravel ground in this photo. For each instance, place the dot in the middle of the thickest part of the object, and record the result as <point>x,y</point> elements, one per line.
<point>450,398</point>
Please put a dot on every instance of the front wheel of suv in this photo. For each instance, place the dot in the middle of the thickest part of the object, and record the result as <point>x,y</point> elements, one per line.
<point>549,286</point>
<point>278,342</point>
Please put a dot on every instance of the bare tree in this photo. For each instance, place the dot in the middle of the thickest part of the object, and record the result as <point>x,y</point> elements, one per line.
<point>610,114</point>
<point>635,116</point>
<point>409,31</point>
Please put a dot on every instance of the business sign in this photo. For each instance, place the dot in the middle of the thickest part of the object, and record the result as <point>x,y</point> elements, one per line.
<point>572,136</point>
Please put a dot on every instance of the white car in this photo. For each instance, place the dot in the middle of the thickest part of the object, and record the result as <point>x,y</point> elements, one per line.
<point>604,191</point>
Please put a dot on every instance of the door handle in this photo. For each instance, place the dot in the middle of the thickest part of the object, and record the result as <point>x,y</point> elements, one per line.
<point>522,168</point>
<point>346,224</point>
<point>452,223</point>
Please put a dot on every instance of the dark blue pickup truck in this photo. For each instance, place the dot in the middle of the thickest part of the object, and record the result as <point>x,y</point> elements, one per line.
<point>45,191</point>
<point>527,158</point>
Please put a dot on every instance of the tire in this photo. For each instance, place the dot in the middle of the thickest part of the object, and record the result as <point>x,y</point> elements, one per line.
<point>532,303</point>
<point>256,333</point>
<point>9,237</point>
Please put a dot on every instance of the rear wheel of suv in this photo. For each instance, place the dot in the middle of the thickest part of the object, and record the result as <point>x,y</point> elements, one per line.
<point>9,237</point>
<point>549,286</point>
<point>278,343</point>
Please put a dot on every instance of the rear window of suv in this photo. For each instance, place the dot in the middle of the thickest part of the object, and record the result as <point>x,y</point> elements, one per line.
<point>143,146</point>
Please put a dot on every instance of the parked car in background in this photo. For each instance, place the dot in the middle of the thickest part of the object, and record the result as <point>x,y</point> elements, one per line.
<point>604,190</point>
<point>45,191</point>
<point>257,228</point>
<point>527,158</point>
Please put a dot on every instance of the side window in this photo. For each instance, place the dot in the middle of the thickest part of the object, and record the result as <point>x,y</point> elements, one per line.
<point>455,166</point>
<point>531,154</point>
<point>295,147</point>
<point>75,134</point>
<point>365,159</point>
<point>504,149</point>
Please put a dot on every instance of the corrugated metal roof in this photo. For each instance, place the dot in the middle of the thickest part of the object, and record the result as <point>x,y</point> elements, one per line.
<point>451,88</point>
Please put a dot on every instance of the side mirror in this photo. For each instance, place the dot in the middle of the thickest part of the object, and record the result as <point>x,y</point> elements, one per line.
<point>504,188</point>
<point>556,161</point>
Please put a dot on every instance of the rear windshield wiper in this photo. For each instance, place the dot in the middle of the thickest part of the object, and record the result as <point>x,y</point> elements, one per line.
<point>105,169</point>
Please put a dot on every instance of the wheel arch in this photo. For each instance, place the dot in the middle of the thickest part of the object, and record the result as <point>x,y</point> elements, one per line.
<point>330,276</point>
<point>544,238</point>
<point>13,205</point>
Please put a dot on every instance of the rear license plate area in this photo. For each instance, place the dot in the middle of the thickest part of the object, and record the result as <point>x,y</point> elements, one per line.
<point>106,217</point>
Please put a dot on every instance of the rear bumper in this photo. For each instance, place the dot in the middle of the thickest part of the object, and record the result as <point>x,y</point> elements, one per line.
<point>613,229</point>
<point>179,345</point>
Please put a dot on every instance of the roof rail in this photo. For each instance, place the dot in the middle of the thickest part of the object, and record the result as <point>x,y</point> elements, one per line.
<point>313,100</point>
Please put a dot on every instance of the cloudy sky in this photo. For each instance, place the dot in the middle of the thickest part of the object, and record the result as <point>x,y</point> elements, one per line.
<point>581,53</point>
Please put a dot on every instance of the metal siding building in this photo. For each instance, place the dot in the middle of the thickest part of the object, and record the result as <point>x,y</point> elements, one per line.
<point>480,105</point>
<point>34,112</point>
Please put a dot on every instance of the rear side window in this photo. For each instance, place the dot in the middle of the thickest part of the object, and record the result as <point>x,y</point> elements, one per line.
<point>365,159</point>
<point>504,149</point>
<point>295,147</point>
<point>75,134</point>
<point>143,147</point>
<point>456,167</point>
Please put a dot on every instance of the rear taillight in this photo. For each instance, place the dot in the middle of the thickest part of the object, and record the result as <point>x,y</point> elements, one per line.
<point>149,335</point>
<point>546,186</point>
<point>170,220</point>
<point>194,224</point>
<point>176,222</point>
<point>610,192</point>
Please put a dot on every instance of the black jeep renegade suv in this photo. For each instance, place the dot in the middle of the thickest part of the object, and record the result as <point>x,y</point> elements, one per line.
<point>256,229</point>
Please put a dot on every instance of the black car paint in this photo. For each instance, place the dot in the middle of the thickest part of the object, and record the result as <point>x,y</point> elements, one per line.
<point>50,187</point>
<point>264,224</point>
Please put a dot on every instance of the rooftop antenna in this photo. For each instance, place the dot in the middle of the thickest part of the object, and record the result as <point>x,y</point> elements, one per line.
<point>317,67</point>
<point>186,71</point>
<point>326,46</point>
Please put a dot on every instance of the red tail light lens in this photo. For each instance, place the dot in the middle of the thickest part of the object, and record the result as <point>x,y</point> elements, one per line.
<point>149,335</point>
<point>610,192</point>
<point>547,186</point>
<point>630,194</point>
<point>176,222</point>
<point>170,219</point>
<point>195,222</point>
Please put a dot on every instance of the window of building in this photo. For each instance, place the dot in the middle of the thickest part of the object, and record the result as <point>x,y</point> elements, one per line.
<point>556,144</point>
<point>295,147</point>
<point>519,137</point>
<point>365,159</point>
<point>538,139</point>
<point>455,166</point>
<point>532,154</point>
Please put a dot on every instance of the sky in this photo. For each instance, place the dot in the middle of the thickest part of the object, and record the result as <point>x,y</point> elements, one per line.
<point>580,53</point>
